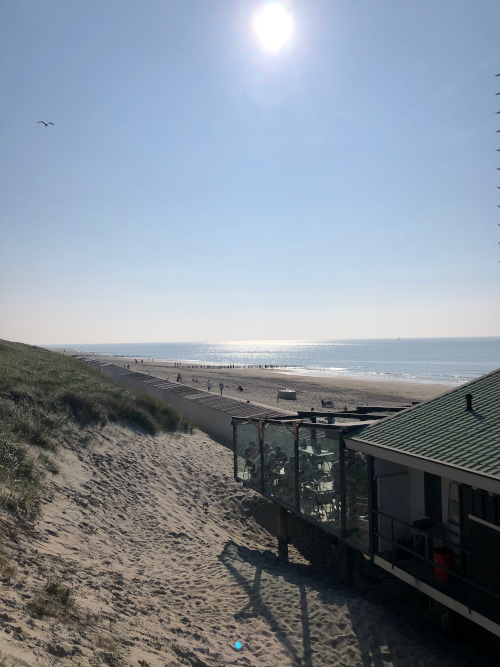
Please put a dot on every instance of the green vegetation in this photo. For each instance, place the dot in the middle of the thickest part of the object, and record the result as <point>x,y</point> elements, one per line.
<point>46,399</point>
<point>54,599</point>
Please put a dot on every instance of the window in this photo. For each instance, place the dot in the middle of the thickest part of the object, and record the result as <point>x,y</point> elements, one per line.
<point>432,497</point>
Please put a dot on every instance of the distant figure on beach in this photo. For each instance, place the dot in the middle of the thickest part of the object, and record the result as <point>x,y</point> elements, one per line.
<point>221,387</point>
<point>209,385</point>
<point>345,408</point>
<point>240,388</point>
<point>179,377</point>
<point>277,398</point>
<point>142,361</point>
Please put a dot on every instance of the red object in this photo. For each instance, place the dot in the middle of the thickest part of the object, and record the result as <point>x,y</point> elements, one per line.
<point>444,558</point>
<point>345,408</point>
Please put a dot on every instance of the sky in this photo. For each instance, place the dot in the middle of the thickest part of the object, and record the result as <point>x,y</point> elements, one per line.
<point>198,184</point>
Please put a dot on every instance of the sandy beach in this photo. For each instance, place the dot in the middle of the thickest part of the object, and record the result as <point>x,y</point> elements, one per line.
<point>171,561</point>
<point>170,564</point>
<point>262,385</point>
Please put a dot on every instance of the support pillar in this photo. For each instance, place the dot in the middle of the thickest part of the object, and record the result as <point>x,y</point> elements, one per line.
<point>345,563</point>
<point>283,534</point>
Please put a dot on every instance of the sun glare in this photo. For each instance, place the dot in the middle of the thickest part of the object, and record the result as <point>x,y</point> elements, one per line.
<point>273,26</point>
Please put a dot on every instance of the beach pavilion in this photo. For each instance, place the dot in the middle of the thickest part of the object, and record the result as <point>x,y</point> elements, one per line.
<point>418,492</point>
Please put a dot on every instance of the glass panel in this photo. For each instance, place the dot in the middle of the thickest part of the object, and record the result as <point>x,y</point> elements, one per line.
<point>279,462</point>
<point>319,474</point>
<point>357,518</point>
<point>247,452</point>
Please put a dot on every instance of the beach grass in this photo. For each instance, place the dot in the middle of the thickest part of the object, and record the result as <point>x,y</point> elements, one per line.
<point>47,399</point>
<point>53,599</point>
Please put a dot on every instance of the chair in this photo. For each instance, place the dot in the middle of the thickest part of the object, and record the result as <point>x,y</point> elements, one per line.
<point>249,467</point>
<point>323,499</point>
<point>306,497</point>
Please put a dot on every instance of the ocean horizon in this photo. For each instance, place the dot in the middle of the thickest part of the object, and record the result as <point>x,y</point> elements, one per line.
<point>449,361</point>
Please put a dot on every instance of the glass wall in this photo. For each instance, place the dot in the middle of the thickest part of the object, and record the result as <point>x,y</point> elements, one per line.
<point>304,467</point>
<point>247,455</point>
<point>319,474</point>
<point>279,461</point>
<point>356,493</point>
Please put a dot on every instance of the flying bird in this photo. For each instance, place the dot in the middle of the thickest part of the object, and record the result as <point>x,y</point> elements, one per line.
<point>42,121</point>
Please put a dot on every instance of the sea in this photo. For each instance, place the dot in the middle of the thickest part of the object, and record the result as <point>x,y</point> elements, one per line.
<point>449,361</point>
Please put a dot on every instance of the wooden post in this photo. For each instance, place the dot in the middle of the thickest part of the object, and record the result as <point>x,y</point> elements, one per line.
<point>345,564</point>
<point>283,534</point>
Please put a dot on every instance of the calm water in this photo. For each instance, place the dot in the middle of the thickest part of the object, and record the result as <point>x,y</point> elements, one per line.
<point>441,360</point>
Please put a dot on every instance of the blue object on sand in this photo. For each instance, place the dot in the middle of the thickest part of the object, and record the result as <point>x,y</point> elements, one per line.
<point>237,645</point>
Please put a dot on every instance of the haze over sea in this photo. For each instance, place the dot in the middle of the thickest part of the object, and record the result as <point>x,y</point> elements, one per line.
<point>449,361</point>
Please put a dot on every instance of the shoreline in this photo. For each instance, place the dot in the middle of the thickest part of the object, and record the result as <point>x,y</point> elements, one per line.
<point>261,385</point>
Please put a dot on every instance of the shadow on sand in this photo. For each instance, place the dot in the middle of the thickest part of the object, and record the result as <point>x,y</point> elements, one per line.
<point>286,609</point>
<point>320,622</point>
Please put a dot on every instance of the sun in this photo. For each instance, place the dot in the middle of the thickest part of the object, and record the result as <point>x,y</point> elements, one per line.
<point>273,26</point>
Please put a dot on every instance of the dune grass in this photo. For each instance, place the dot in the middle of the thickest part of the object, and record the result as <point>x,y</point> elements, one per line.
<point>53,599</point>
<point>47,398</point>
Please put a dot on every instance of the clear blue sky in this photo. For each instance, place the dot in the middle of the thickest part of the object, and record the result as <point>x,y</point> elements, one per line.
<point>196,187</point>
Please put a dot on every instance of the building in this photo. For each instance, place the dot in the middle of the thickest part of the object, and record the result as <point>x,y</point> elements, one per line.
<point>418,491</point>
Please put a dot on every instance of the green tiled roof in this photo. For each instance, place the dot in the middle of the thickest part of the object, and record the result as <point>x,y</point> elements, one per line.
<point>442,430</point>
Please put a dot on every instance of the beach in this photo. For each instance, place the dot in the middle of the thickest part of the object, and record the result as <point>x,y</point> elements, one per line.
<point>171,563</point>
<point>261,385</point>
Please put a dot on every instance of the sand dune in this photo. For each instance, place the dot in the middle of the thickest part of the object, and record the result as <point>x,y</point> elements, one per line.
<point>170,565</point>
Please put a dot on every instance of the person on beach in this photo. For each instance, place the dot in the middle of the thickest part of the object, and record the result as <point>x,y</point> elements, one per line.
<point>209,385</point>
<point>221,387</point>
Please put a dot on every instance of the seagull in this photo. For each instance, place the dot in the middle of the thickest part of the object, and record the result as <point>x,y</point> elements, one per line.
<point>42,121</point>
